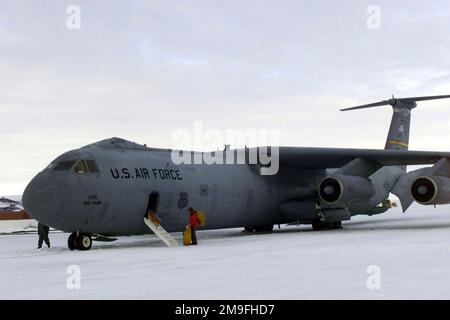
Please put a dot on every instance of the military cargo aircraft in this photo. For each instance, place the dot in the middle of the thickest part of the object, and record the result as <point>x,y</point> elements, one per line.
<point>106,188</point>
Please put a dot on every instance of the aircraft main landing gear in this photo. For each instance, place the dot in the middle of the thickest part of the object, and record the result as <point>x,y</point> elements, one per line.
<point>318,225</point>
<point>81,241</point>
<point>268,228</point>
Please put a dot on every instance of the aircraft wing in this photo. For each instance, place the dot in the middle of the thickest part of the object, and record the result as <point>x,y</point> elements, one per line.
<point>323,158</point>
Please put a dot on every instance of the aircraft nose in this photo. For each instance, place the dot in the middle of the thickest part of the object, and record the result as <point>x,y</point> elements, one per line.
<point>42,199</point>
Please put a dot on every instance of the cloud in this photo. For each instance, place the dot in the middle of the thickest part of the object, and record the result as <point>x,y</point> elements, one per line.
<point>142,69</point>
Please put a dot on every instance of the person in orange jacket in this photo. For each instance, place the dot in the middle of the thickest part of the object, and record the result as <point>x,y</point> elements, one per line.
<point>194,223</point>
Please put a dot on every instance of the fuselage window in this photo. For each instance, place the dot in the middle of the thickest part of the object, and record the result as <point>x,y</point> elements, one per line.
<point>80,168</point>
<point>64,165</point>
<point>92,166</point>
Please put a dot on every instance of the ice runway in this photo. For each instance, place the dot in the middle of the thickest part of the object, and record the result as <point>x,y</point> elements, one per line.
<point>412,252</point>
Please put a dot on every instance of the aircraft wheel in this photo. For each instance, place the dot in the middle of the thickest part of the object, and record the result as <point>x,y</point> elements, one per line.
<point>264,228</point>
<point>317,225</point>
<point>72,241</point>
<point>337,225</point>
<point>84,241</point>
<point>249,229</point>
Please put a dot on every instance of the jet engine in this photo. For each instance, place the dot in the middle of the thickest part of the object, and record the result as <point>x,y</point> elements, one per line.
<point>342,190</point>
<point>431,190</point>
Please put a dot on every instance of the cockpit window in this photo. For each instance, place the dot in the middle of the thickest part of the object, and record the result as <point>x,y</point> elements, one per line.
<point>84,166</point>
<point>63,165</point>
<point>80,168</point>
<point>92,166</point>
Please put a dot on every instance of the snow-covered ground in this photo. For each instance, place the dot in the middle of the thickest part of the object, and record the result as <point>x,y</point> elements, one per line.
<point>411,252</point>
<point>17,226</point>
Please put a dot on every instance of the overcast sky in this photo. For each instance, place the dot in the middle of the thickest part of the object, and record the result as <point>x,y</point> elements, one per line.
<point>142,69</point>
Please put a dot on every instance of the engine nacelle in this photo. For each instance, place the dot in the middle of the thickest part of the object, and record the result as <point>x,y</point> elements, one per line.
<point>431,190</point>
<point>343,190</point>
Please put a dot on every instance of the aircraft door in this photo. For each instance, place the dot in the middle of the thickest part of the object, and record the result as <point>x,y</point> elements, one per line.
<point>153,202</point>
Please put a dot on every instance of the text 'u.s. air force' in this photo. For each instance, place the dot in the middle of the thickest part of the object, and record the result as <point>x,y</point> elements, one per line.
<point>144,173</point>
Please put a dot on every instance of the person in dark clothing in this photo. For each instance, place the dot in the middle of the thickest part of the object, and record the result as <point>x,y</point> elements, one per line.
<point>43,231</point>
<point>194,224</point>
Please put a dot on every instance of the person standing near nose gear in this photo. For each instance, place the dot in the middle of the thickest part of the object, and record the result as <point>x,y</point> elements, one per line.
<point>43,231</point>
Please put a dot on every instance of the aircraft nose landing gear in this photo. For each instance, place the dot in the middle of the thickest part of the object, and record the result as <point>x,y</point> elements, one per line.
<point>81,241</point>
<point>71,242</point>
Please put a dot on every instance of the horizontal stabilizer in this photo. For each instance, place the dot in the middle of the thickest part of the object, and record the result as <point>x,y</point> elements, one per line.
<point>405,102</point>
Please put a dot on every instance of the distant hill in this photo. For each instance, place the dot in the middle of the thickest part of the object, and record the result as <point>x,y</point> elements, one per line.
<point>15,198</point>
<point>11,203</point>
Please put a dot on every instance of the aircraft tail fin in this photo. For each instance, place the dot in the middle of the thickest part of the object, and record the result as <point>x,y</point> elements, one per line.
<point>398,136</point>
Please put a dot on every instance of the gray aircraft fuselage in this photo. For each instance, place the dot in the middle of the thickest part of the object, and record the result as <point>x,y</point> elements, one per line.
<point>106,188</point>
<point>113,201</point>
